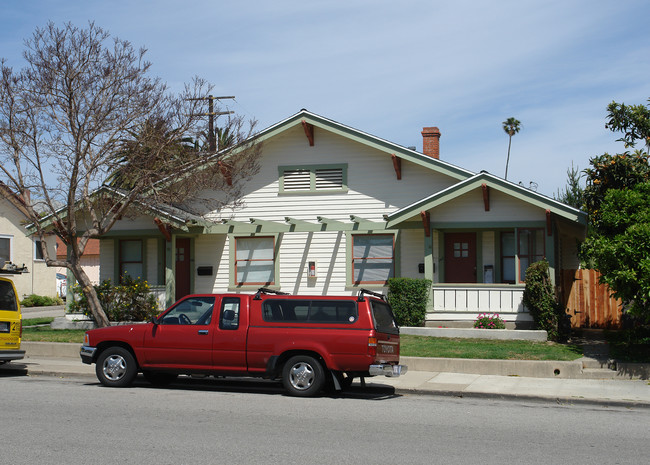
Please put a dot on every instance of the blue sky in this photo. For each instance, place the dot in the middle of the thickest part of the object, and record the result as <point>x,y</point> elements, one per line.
<point>390,68</point>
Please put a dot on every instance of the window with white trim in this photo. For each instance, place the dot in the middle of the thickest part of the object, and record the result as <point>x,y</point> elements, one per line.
<point>317,178</point>
<point>255,260</point>
<point>373,258</point>
<point>5,248</point>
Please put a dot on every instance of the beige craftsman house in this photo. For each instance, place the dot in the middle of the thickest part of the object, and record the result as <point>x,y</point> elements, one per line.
<point>333,209</point>
<point>21,248</point>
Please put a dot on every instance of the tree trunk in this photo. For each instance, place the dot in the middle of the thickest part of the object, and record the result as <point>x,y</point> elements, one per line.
<point>89,292</point>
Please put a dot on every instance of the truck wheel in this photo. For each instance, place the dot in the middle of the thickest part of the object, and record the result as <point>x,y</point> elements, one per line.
<point>116,367</point>
<point>303,376</point>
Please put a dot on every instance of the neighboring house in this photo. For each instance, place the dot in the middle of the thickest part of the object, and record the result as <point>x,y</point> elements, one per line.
<point>334,209</point>
<point>18,247</point>
<point>89,260</point>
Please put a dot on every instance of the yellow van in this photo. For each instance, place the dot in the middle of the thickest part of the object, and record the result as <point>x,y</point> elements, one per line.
<point>11,326</point>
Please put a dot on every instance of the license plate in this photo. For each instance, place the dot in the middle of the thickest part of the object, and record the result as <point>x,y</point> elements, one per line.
<point>4,326</point>
<point>397,370</point>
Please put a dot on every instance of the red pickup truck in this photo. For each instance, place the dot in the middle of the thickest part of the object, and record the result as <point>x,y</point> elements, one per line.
<point>307,341</point>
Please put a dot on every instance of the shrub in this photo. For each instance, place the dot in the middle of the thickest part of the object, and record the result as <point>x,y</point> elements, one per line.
<point>129,301</point>
<point>540,299</point>
<point>485,321</point>
<point>409,298</point>
<point>34,300</point>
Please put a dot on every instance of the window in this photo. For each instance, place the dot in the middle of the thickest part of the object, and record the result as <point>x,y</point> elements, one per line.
<point>321,178</point>
<point>5,248</point>
<point>255,260</point>
<point>530,248</point>
<point>38,250</point>
<point>310,311</point>
<point>191,311</point>
<point>508,252</point>
<point>131,262</point>
<point>229,313</point>
<point>372,258</point>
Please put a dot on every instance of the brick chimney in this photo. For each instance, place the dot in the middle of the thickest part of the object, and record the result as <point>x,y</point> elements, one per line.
<point>431,142</point>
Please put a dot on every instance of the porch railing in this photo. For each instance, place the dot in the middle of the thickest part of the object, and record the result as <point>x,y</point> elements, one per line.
<point>465,301</point>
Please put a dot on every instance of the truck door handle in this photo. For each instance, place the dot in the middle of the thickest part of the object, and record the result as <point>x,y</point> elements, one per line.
<point>203,331</point>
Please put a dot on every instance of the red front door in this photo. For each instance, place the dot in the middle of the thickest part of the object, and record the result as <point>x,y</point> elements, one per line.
<point>460,257</point>
<point>182,268</point>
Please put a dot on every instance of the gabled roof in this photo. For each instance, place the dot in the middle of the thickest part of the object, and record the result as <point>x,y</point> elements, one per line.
<point>491,181</point>
<point>366,139</point>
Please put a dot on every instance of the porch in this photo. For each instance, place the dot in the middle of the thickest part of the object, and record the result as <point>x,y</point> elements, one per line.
<point>461,303</point>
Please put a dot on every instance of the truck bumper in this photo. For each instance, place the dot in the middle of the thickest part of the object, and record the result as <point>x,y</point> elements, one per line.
<point>87,353</point>
<point>392,371</point>
<point>8,355</point>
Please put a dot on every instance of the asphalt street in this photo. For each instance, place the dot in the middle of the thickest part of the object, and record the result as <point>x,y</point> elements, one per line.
<point>77,421</point>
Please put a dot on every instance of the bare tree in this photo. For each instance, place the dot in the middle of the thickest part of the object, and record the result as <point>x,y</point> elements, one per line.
<point>82,110</point>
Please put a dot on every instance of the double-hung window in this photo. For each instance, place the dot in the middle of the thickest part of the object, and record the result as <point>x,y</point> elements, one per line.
<point>313,179</point>
<point>373,258</point>
<point>255,260</point>
<point>131,258</point>
<point>529,248</point>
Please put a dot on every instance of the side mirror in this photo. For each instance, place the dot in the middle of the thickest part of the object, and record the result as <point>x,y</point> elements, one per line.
<point>228,315</point>
<point>154,320</point>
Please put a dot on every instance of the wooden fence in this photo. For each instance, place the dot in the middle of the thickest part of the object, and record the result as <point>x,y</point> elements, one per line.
<point>588,302</point>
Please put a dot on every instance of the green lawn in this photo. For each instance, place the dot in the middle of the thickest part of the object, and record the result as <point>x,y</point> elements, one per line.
<point>47,334</point>
<point>423,346</point>
<point>411,346</point>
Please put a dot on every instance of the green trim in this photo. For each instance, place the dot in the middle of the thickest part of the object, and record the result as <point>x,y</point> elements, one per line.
<point>349,275</point>
<point>494,182</point>
<point>479,256</point>
<point>312,179</point>
<point>365,139</point>
<point>232,279</point>
<point>487,226</point>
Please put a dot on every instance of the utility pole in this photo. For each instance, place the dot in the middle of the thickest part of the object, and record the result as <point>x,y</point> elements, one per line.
<point>212,142</point>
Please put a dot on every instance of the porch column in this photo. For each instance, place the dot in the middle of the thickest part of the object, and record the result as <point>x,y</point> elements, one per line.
<point>550,253</point>
<point>429,267</point>
<point>170,279</point>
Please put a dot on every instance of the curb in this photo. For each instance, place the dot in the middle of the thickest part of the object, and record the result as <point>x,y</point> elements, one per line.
<point>529,398</point>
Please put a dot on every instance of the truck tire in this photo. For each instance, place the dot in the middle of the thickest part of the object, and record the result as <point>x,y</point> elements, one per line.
<point>116,367</point>
<point>303,376</point>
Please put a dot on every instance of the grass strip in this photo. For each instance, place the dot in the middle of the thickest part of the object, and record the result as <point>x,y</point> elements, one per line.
<point>47,334</point>
<point>424,346</point>
<point>46,320</point>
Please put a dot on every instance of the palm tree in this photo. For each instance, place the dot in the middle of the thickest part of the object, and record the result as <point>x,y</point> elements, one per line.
<point>511,126</point>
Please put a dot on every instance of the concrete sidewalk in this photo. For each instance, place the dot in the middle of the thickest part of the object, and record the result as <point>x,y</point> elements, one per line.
<point>61,359</point>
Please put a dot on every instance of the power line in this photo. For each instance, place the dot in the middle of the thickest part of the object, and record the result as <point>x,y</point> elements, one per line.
<point>212,143</point>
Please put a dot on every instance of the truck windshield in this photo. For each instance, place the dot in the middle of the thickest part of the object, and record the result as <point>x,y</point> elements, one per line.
<point>383,315</point>
<point>7,296</point>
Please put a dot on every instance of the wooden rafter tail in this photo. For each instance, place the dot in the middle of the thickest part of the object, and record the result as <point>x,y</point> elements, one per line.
<point>426,222</point>
<point>165,229</point>
<point>309,132</point>
<point>397,164</point>
<point>486,196</point>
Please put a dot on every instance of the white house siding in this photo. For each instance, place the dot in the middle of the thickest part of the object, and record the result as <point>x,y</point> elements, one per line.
<point>151,257</point>
<point>210,250</point>
<point>373,186</point>
<point>489,252</point>
<point>107,259</point>
<point>470,207</point>
<point>411,249</point>
<point>41,279</point>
